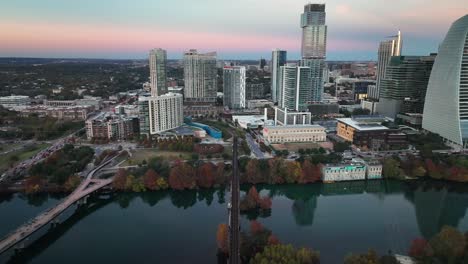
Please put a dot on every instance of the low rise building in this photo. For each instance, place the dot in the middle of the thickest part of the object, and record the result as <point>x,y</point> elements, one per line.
<point>343,172</point>
<point>14,101</point>
<point>113,127</point>
<point>298,133</point>
<point>373,170</point>
<point>95,102</point>
<point>367,132</point>
<point>70,113</point>
<point>249,121</point>
<point>259,103</point>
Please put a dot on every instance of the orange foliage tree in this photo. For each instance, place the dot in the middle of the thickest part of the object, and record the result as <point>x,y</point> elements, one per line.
<point>120,180</point>
<point>182,176</point>
<point>205,177</point>
<point>150,180</point>
<point>222,238</point>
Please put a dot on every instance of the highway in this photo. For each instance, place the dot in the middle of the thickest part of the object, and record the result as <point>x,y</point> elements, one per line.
<point>254,147</point>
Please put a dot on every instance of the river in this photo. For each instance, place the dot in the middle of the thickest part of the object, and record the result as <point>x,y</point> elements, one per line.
<point>180,227</point>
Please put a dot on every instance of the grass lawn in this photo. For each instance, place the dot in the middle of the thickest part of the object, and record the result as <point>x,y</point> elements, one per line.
<point>139,155</point>
<point>8,146</point>
<point>22,154</point>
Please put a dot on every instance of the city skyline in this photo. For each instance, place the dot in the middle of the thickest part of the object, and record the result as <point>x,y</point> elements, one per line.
<point>118,30</point>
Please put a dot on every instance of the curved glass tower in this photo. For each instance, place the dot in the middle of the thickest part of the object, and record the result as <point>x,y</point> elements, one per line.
<point>446,107</point>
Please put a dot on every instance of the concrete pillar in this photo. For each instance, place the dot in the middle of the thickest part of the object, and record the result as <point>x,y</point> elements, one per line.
<point>295,119</point>
<point>266,114</point>
<point>276,116</point>
<point>285,117</point>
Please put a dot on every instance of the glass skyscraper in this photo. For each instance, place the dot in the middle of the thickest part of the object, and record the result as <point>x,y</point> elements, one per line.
<point>278,59</point>
<point>157,65</point>
<point>200,76</point>
<point>295,82</point>
<point>234,87</point>
<point>446,107</point>
<point>314,46</point>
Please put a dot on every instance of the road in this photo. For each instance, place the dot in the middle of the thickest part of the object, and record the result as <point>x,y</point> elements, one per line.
<point>234,249</point>
<point>254,147</point>
<point>88,186</point>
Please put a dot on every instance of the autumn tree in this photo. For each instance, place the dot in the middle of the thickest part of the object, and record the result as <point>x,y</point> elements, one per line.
<point>120,180</point>
<point>72,182</point>
<point>220,177</point>
<point>418,248</point>
<point>449,244</point>
<point>273,240</point>
<point>222,238</point>
<point>285,254</point>
<point>278,171</point>
<point>255,227</point>
<point>33,184</point>
<point>310,172</point>
<point>150,179</point>
<point>205,177</point>
<point>294,172</point>
<point>182,176</point>
<point>253,172</point>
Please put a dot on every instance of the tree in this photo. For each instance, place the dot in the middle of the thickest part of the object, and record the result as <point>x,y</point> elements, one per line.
<point>72,182</point>
<point>341,146</point>
<point>253,194</point>
<point>253,172</point>
<point>294,171</point>
<point>182,176</point>
<point>120,180</point>
<point>205,177</point>
<point>150,180</point>
<point>33,184</point>
<point>273,240</point>
<point>222,238</point>
<point>448,244</point>
<point>129,182</point>
<point>255,227</point>
<point>265,203</point>
<point>310,172</point>
<point>391,169</point>
<point>418,248</point>
<point>278,171</point>
<point>284,254</point>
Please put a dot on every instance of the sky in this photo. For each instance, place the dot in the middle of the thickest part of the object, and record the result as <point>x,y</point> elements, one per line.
<point>236,29</point>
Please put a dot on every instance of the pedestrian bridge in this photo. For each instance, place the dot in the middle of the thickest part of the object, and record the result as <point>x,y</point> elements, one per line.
<point>88,186</point>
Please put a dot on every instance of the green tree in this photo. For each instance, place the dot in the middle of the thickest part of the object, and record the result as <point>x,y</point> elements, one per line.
<point>449,244</point>
<point>285,254</point>
<point>391,169</point>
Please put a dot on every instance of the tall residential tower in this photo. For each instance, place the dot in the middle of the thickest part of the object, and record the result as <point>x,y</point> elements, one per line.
<point>387,49</point>
<point>200,76</point>
<point>234,87</point>
<point>278,59</point>
<point>446,107</point>
<point>157,65</point>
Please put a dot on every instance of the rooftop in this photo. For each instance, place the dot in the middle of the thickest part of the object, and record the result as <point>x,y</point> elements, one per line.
<point>361,126</point>
<point>294,126</point>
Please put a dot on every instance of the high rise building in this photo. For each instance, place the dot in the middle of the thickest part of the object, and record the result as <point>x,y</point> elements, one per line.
<point>403,89</point>
<point>200,76</point>
<point>262,63</point>
<point>157,65</point>
<point>296,87</point>
<point>446,107</point>
<point>387,49</point>
<point>163,113</point>
<point>314,47</point>
<point>278,59</point>
<point>234,87</point>
<point>314,31</point>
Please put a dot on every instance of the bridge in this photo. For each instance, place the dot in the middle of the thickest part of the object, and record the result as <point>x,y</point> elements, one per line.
<point>234,227</point>
<point>88,186</point>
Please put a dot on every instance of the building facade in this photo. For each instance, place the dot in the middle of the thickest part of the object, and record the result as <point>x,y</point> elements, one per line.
<point>296,88</point>
<point>14,101</point>
<point>294,133</point>
<point>112,127</point>
<point>165,112</point>
<point>387,49</point>
<point>200,74</point>
<point>314,47</point>
<point>446,107</point>
<point>278,59</point>
<point>343,172</point>
<point>367,133</point>
<point>234,87</point>
<point>157,65</point>
<point>403,89</point>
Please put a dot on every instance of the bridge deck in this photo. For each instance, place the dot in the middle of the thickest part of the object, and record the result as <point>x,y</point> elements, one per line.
<point>88,186</point>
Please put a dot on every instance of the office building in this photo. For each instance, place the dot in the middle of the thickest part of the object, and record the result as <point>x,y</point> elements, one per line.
<point>446,106</point>
<point>262,64</point>
<point>387,49</point>
<point>295,84</point>
<point>313,48</point>
<point>200,76</point>
<point>294,133</point>
<point>160,113</point>
<point>403,88</point>
<point>367,132</point>
<point>278,59</point>
<point>157,65</point>
<point>14,101</point>
<point>283,117</point>
<point>234,87</point>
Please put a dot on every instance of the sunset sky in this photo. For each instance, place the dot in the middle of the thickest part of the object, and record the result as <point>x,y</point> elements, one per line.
<point>240,29</point>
